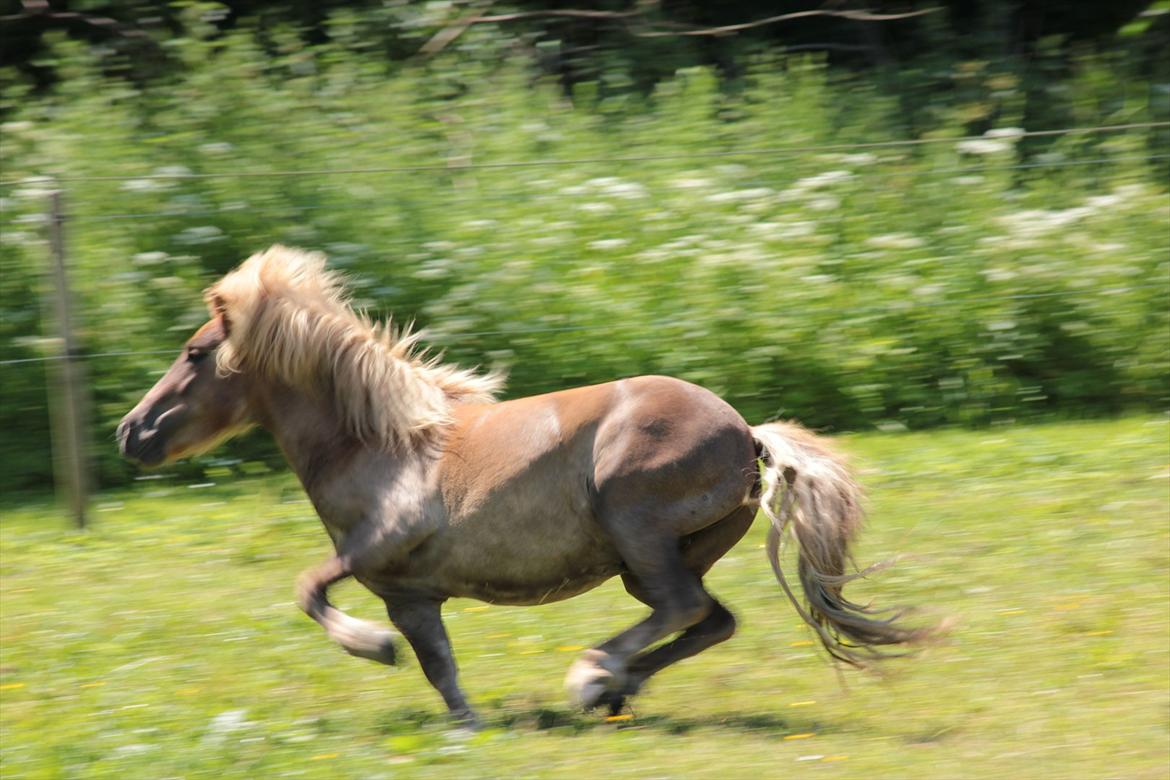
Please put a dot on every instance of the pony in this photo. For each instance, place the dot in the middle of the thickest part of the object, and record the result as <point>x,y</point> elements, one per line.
<point>430,488</point>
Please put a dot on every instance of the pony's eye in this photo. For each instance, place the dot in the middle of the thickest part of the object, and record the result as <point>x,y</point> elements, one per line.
<point>196,355</point>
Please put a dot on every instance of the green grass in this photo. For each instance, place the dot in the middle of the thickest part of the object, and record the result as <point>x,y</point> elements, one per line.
<point>164,641</point>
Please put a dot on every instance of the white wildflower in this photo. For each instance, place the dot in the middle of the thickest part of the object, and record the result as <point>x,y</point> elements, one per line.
<point>782,231</point>
<point>1010,133</point>
<point>865,158</point>
<point>653,256</point>
<point>998,274</point>
<point>150,258</point>
<point>894,241</point>
<point>144,185</point>
<point>800,229</point>
<point>225,723</point>
<point>1129,191</point>
<point>173,171</point>
<point>823,179</point>
<point>1104,201</point>
<point>203,234</point>
<point>1112,247</point>
<point>626,190</point>
<point>19,237</point>
<point>691,183</point>
<point>606,244</point>
<point>35,188</point>
<point>722,197</point>
<point>1036,222</point>
<point>434,270</point>
<point>983,146</point>
<point>596,208</point>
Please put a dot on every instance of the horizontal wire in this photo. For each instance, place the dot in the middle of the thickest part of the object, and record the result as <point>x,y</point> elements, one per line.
<point>449,168</point>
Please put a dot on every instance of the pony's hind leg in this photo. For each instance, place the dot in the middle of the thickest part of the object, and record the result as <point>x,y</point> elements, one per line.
<point>699,552</point>
<point>718,626</point>
<point>677,601</point>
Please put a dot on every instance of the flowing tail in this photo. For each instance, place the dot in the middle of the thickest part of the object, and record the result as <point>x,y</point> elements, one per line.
<point>809,493</point>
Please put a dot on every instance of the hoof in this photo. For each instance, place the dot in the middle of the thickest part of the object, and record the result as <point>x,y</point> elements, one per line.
<point>379,647</point>
<point>595,679</point>
<point>466,720</point>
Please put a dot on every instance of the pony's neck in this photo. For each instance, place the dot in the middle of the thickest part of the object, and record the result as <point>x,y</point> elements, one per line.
<point>316,442</point>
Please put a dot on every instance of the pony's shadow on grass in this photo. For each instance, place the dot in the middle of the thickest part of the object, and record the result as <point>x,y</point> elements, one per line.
<point>572,722</point>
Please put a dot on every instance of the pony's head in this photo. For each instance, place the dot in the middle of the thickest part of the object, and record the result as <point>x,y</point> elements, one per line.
<point>192,408</point>
<point>282,319</point>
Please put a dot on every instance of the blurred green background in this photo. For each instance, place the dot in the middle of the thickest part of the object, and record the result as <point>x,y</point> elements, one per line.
<point>956,221</point>
<point>847,221</point>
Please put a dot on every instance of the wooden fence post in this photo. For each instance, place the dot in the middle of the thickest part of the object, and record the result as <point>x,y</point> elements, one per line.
<point>69,402</point>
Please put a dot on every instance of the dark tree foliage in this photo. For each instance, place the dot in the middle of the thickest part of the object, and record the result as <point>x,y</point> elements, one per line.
<point>645,41</point>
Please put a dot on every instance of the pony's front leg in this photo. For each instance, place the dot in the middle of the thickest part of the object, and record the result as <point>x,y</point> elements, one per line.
<point>420,621</point>
<point>358,637</point>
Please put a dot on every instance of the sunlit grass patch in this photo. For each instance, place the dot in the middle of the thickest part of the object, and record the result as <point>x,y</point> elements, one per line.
<point>165,642</point>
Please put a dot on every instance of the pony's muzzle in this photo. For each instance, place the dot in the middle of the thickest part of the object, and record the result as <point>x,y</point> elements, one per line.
<point>139,442</point>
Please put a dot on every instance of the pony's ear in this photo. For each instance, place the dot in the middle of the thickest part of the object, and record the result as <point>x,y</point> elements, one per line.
<point>218,308</point>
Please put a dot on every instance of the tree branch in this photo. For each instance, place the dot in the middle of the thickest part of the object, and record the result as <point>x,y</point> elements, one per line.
<point>37,9</point>
<point>626,16</point>
<point>860,16</point>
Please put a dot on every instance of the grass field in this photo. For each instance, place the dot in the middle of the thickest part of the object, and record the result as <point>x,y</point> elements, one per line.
<point>164,641</point>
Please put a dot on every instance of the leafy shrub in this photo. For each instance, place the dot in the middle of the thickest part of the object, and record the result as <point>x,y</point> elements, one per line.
<point>945,282</point>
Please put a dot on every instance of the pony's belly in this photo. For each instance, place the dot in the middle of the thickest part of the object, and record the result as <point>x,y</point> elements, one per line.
<point>525,594</point>
<point>520,563</point>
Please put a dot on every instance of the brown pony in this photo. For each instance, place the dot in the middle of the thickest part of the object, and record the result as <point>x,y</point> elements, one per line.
<point>430,489</point>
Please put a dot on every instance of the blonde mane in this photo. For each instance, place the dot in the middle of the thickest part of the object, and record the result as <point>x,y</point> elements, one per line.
<point>289,318</point>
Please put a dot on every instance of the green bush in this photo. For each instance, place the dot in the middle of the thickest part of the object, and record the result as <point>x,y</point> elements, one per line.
<point>947,282</point>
